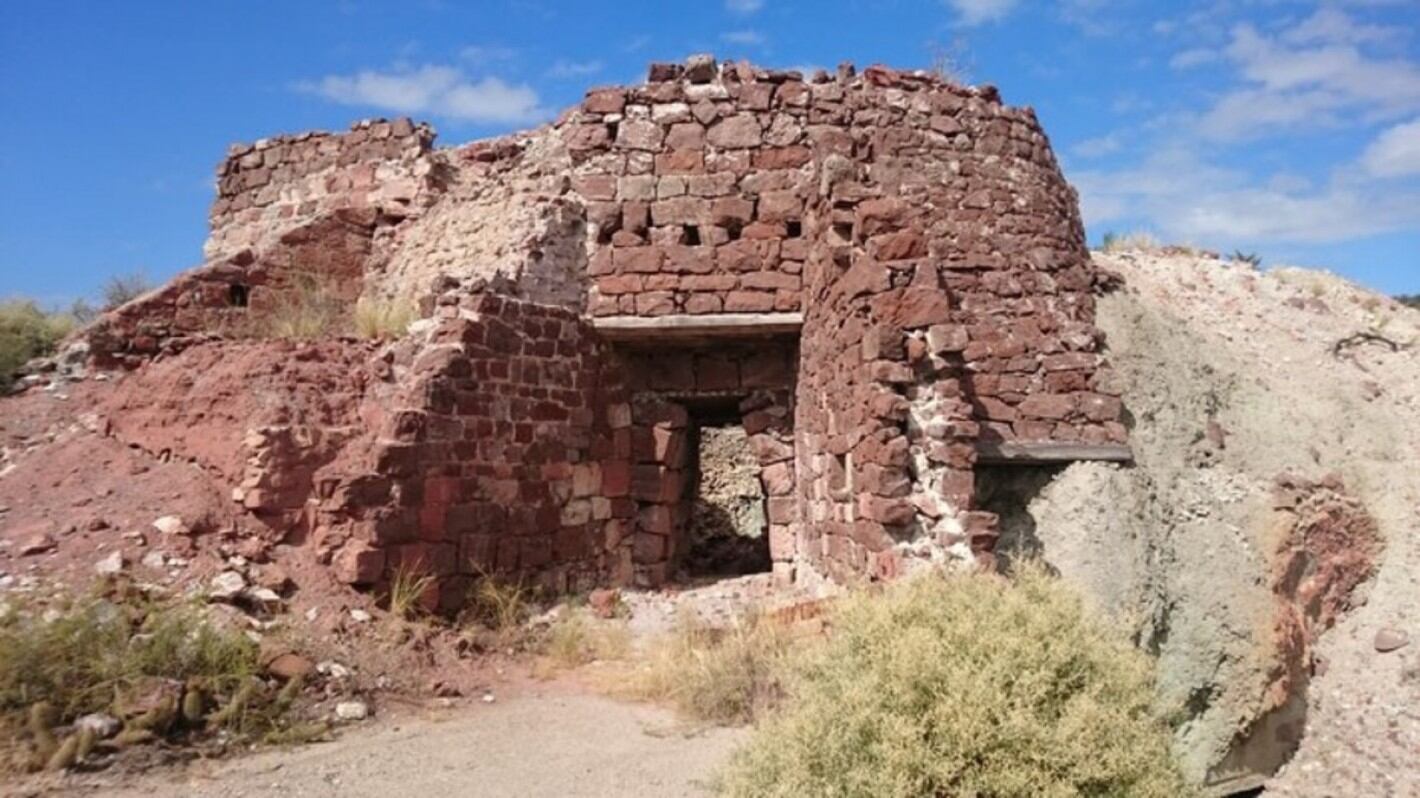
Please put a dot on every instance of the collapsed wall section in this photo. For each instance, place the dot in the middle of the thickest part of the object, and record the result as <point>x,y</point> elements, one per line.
<point>275,184</point>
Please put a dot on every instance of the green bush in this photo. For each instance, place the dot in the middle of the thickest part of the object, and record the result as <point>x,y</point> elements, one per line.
<point>967,685</point>
<point>27,332</point>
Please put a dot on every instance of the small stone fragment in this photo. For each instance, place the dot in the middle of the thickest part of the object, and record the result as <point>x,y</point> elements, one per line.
<point>1388,640</point>
<point>172,525</point>
<point>112,564</point>
<point>360,616</point>
<point>289,666</point>
<point>226,586</point>
<point>352,710</point>
<point>37,544</point>
<point>103,726</point>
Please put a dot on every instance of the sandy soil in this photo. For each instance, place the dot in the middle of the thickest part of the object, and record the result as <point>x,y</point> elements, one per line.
<point>550,743</point>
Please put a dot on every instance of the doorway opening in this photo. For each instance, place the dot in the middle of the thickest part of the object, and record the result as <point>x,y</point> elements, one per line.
<point>726,532</point>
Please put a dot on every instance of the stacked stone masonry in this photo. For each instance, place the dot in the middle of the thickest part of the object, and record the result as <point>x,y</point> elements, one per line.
<point>921,230</point>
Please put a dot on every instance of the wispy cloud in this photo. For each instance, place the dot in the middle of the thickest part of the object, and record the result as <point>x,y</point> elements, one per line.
<point>562,68</point>
<point>481,54</point>
<point>441,91</point>
<point>1198,56</point>
<point>976,12</point>
<point>747,38</point>
<point>743,6</point>
<point>1318,85</point>
<point>1395,152</point>
<point>1098,146</point>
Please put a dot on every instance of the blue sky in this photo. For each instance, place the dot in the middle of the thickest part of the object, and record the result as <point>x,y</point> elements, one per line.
<point>1286,127</point>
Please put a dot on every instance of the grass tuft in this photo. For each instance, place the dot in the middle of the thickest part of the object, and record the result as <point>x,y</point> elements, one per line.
<point>576,639</point>
<point>732,675</point>
<point>963,685</point>
<point>407,589</point>
<point>381,318</point>
<point>308,309</point>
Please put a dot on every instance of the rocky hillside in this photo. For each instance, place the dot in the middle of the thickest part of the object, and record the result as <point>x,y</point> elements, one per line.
<point>1264,544</point>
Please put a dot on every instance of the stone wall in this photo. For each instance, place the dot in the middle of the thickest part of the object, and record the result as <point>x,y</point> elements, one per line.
<point>695,186</point>
<point>272,185</point>
<point>234,296</point>
<point>505,452</point>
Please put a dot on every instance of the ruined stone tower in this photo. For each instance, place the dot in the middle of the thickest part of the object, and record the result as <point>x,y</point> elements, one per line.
<point>881,277</point>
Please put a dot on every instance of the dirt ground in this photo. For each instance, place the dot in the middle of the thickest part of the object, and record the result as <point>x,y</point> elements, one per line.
<point>556,741</point>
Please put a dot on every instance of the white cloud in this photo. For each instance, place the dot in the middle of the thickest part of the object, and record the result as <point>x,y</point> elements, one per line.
<point>1328,25</point>
<point>1198,56</point>
<point>562,68</point>
<point>1098,146</point>
<point>743,6</point>
<point>487,53</point>
<point>975,12</point>
<point>1298,86</point>
<point>435,90</point>
<point>1189,199</point>
<point>747,38</point>
<point>1395,152</point>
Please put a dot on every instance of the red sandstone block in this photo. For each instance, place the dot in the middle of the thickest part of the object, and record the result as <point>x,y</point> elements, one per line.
<point>755,96</point>
<point>881,215</point>
<point>686,136</point>
<point>435,559</point>
<point>778,479</point>
<point>770,281</point>
<point>595,187</point>
<point>604,101</point>
<point>679,211</point>
<point>1047,406</point>
<point>782,509</point>
<point>1070,361</point>
<point>764,231</point>
<point>620,284</point>
<point>888,481</point>
<point>727,211</point>
<point>698,304</point>
<point>889,511</point>
<point>616,478</point>
<point>681,162</point>
<point>1098,407</point>
<point>782,546</point>
<point>782,157</point>
<point>911,308</point>
<point>656,519</point>
<point>637,259</point>
<point>661,282</point>
<point>739,131</point>
<point>749,301</point>
<point>902,245</point>
<point>780,206</point>
<point>587,137</point>
<point>359,564</point>
<point>639,134</point>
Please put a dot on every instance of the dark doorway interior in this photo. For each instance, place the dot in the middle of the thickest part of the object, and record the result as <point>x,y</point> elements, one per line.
<point>727,531</point>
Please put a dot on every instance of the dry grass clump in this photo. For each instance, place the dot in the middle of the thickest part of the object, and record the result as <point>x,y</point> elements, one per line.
<point>499,606</point>
<point>731,675</point>
<point>1409,300</point>
<point>576,639</point>
<point>26,332</point>
<point>310,308</point>
<point>381,318</point>
<point>165,671</point>
<point>968,685</point>
<point>1125,242</point>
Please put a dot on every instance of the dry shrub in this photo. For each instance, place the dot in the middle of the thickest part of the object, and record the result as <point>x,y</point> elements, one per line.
<point>498,605</point>
<point>26,332</point>
<point>382,318</point>
<point>1125,242</point>
<point>407,589</point>
<point>309,308</point>
<point>731,675</point>
<point>968,685</point>
<point>576,639</point>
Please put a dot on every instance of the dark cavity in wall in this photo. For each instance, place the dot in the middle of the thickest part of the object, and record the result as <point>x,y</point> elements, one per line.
<point>1008,491</point>
<point>727,532</point>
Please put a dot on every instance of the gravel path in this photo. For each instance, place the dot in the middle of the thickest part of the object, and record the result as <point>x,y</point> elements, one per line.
<point>556,744</point>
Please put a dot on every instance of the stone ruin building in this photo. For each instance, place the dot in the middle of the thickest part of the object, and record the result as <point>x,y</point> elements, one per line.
<point>876,280</point>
